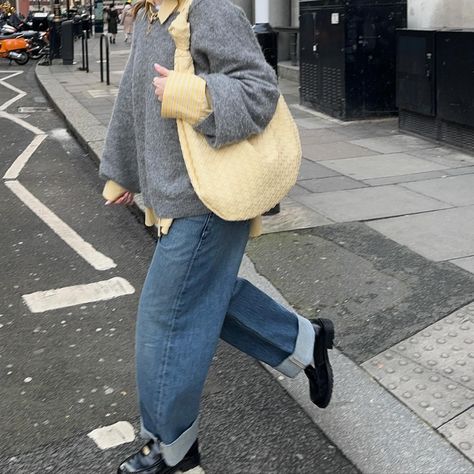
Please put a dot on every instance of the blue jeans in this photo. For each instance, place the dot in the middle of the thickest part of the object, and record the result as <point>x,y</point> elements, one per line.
<point>191,297</point>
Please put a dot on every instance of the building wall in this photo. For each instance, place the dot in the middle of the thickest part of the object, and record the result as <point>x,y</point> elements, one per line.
<point>441,13</point>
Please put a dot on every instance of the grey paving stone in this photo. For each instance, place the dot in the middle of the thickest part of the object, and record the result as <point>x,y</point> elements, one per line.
<point>311,170</point>
<point>327,135</point>
<point>440,235</point>
<point>381,166</point>
<point>298,190</point>
<point>466,263</point>
<point>406,178</point>
<point>313,123</point>
<point>394,144</point>
<point>369,129</point>
<point>432,396</point>
<point>335,183</point>
<point>334,151</point>
<point>369,203</point>
<point>445,156</point>
<point>293,215</point>
<point>459,171</point>
<point>460,432</point>
<point>378,292</point>
<point>455,190</point>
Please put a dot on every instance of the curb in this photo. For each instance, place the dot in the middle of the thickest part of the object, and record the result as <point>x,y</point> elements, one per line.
<point>371,427</point>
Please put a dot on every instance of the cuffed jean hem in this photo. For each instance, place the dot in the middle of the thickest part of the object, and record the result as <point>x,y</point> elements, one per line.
<point>303,353</point>
<point>174,453</point>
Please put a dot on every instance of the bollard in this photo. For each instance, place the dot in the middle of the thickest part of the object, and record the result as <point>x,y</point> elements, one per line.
<point>85,52</point>
<point>67,42</point>
<point>107,58</point>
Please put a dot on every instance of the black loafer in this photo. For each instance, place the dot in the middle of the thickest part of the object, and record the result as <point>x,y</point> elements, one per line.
<point>320,376</point>
<point>150,461</point>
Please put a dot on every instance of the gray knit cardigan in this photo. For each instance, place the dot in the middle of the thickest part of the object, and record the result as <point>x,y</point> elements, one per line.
<point>142,151</point>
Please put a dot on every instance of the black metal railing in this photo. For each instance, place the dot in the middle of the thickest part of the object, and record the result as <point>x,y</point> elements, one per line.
<point>85,51</point>
<point>107,59</point>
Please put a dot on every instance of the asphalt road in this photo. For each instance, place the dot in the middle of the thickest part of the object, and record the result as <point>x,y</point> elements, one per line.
<point>67,371</point>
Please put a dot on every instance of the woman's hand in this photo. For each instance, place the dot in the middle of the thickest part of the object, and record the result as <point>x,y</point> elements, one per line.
<point>125,199</point>
<point>159,82</point>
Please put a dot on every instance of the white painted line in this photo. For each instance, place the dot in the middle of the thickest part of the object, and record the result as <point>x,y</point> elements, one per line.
<point>19,92</point>
<point>98,260</point>
<point>20,162</point>
<point>50,300</point>
<point>114,435</point>
<point>21,122</point>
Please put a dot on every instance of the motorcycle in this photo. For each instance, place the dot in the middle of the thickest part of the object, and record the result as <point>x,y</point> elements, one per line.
<point>39,44</point>
<point>15,49</point>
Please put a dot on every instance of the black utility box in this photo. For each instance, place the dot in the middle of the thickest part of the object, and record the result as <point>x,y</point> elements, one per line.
<point>435,77</point>
<point>347,56</point>
<point>416,81</point>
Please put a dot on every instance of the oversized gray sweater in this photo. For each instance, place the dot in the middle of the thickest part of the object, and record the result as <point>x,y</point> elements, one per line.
<point>142,151</point>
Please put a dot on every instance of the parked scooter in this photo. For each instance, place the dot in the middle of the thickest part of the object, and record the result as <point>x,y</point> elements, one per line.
<point>39,43</point>
<point>15,49</point>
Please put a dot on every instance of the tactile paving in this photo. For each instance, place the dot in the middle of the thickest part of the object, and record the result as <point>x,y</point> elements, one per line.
<point>460,432</point>
<point>433,371</point>
<point>434,397</point>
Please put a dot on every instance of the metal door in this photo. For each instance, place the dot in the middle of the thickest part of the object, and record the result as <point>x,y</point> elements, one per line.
<point>416,81</point>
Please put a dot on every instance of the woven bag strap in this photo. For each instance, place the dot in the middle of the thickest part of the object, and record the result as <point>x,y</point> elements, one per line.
<point>184,9</point>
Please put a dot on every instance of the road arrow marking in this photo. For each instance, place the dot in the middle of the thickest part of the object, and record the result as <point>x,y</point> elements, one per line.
<point>49,300</point>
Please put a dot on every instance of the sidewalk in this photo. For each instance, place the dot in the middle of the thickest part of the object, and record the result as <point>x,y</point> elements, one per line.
<point>381,228</point>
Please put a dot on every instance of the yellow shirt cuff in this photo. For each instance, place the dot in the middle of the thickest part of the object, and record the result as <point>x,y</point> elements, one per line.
<point>112,191</point>
<point>185,97</point>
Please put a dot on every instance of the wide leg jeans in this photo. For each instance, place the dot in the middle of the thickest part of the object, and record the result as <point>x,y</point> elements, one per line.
<point>192,296</point>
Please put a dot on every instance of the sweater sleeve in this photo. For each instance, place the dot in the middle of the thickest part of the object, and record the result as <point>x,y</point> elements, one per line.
<point>119,158</point>
<point>241,85</point>
<point>185,97</point>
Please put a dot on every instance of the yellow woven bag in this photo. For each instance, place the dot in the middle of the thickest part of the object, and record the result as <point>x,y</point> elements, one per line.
<point>243,180</point>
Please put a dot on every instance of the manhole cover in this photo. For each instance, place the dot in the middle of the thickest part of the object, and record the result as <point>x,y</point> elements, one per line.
<point>29,110</point>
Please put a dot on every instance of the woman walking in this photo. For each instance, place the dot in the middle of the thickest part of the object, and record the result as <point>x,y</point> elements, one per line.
<point>112,22</point>
<point>127,20</point>
<point>192,295</point>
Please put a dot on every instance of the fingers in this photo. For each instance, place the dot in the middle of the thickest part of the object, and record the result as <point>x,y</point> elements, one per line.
<point>162,71</point>
<point>125,199</point>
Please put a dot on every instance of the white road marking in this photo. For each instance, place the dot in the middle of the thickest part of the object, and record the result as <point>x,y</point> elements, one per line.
<point>58,298</point>
<point>114,435</point>
<point>98,260</point>
<point>19,92</point>
<point>20,162</point>
<point>21,122</point>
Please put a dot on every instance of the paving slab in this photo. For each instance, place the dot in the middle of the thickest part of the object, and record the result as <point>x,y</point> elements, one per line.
<point>377,432</point>
<point>316,137</point>
<point>381,166</point>
<point>370,203</point>
<point>334,151</point>
<point>460,432</point>
<point>459,171</point>
<point>335,183</point>
<point>455,190</point>
<point>394,144</point>
<point>377,291</point>
<point>313,123</point>
<point>297,190</point>
<point>444,156</point>
<point>293,215</point>
<point>406,178</point>
<point>431,373</point>
<point>439,235</point>
<point>311,170</point>
<point>466,263</point>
